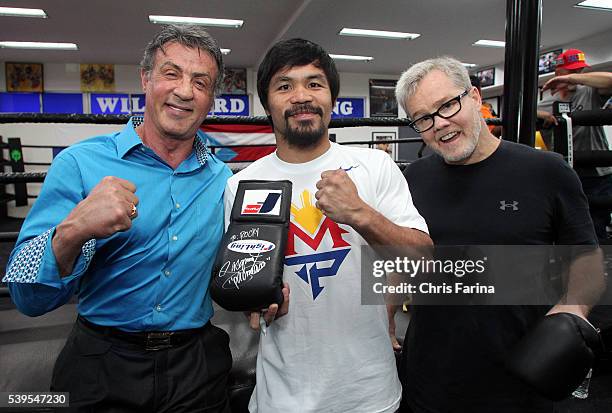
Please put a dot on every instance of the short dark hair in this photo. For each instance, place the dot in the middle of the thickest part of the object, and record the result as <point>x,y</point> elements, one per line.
<point>295,52</point>
<point>191,36</point>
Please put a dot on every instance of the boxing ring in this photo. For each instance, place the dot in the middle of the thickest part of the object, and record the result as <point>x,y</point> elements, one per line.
<point>29,346</point>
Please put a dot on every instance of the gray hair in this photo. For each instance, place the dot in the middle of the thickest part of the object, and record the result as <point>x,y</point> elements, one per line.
<point>408,82</point>
<point>189,36</point>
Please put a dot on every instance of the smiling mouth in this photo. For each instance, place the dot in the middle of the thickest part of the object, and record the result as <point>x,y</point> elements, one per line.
<point>179,109</point>
<point>449,137</point>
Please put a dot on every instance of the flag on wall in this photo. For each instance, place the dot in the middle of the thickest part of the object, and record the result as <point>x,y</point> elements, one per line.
<point>237,135</point>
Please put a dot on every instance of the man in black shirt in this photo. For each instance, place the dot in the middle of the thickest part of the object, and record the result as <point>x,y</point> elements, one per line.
<point>478,190</point>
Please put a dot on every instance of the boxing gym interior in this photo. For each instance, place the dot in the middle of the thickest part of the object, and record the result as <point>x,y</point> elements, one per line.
<point>90,85</point>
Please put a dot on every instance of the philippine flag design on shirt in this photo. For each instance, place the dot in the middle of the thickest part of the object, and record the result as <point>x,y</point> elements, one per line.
<point>315,260</point>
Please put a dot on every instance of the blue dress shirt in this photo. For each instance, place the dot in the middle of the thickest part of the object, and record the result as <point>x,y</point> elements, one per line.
<point>154,276</point>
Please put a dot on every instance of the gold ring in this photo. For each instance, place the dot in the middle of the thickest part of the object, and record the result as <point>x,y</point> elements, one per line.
<point>133,211</point>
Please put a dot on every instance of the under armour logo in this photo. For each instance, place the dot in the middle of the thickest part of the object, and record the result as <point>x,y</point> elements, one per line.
<point>504,205</point>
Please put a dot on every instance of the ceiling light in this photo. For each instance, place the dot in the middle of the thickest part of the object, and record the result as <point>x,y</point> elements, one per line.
<point>19,12</point>
<point>38,45</point>
<point>468,64</point>
<point>202,21</point>
<point>596,4</point>
<point>351,57</point>
<point>378,33</point>
<point>226,51</point>
<point>490,43</point>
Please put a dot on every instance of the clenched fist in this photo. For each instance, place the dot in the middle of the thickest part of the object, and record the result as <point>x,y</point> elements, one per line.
<point>337,198</point>
<point>109,208</point>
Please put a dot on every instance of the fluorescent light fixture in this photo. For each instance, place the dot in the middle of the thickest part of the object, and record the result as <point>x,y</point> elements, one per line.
<point>202,21</point>
<point>38,45</point>
<point>468,64</point>
<point>490,43</point>
<point>20,12</point>
<point>226,51</point>
<point>351,57</point>
<point>595,4</point>
<point>378,33</point>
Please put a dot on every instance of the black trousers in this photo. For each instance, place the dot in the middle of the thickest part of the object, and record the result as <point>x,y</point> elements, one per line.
<point>103,373</point>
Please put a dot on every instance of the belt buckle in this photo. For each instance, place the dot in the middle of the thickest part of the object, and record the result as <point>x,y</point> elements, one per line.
<point>161,340</point>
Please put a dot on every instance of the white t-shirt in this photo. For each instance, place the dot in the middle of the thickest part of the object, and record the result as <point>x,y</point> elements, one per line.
<point>330,353</point>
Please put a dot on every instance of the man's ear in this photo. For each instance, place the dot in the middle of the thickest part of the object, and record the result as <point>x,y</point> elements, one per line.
<point>144,79</point>
<point>476,96</point>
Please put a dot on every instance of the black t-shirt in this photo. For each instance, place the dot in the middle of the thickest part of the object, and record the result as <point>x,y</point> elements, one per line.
<point>454,356</point>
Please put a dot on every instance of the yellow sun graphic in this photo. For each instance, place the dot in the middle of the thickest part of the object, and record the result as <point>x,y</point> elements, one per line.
<point>308,216</point>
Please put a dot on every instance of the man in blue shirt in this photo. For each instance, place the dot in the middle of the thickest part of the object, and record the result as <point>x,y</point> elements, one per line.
<point>130,222</point>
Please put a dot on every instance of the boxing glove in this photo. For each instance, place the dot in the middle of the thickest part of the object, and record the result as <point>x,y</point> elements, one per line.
<point>248,270</point>
<point>555,357</point>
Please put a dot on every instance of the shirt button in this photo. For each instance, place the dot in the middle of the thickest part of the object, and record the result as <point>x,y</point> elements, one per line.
<point>167,272</point>
<point>158,307</point>
<point>174,238</point>
<point>177,205</point>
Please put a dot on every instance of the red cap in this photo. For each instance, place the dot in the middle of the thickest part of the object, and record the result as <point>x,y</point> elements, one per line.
<point>571,59</point>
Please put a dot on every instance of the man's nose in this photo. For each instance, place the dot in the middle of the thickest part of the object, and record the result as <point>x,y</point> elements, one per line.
<point>184,88</point>
<point>301,95</point>
<point>440,122</point>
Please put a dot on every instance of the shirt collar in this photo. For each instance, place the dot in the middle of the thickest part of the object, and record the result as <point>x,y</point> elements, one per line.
<point>129,139</point>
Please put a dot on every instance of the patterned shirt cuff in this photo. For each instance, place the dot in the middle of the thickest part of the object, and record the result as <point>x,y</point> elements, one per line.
<point>26,264</point>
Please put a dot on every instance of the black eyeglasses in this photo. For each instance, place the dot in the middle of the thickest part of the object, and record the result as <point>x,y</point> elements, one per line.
<point>445,111</point>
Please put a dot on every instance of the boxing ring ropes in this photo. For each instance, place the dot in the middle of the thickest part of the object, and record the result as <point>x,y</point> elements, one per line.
<point>242,381</point>
<point>562,142</point>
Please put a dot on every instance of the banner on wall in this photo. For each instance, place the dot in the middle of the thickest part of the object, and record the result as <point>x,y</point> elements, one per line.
<point>117,104</point>
<point>349,108</point>
<point>231,105</point>
<point>109,104</point>
<point>19,102</point>
<point>138,103</point>
<point>225,105</point>
<point>62,103</point>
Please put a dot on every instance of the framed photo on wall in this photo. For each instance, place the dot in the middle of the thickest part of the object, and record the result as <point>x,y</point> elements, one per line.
<point>97,77</point>
<point>382,98</point>
<point>234,82</point>
<point>494,104</point>
<point>390,148</point>
<point>24,77</point>
<point>546,63</point>
<point>486,76</point>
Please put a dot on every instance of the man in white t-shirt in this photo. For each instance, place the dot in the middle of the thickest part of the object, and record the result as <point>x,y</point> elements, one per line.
<point>329,353</point>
